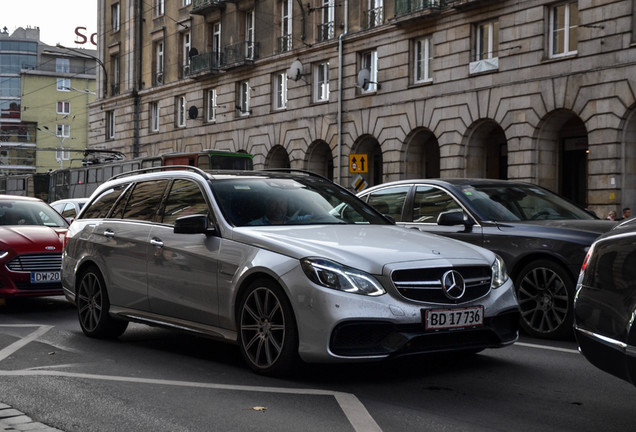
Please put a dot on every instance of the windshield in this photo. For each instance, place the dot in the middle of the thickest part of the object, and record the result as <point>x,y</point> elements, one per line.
<point>29,213</point>
<point>285,201</point>
<point>520,203</point>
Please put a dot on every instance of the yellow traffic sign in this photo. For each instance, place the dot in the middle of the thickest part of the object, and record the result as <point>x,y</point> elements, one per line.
<point>358,163</point>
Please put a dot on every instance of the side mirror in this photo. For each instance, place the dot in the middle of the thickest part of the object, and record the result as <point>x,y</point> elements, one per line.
<point>455,217</point>
<point>194,224</point>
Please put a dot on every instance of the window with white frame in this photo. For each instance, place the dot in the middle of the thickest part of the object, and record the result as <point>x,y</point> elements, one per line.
<point>369,61</point>
<point>211,106</point>
<point>422,60</point>
<point>216,43</point>
<point>154,116</point>
<point>564,21</point>
<point>62,154</point>
<point>180,111</point>
<point>63,131</point>
<point>185,52</point>
<point>374,13</point>
<point>63,107</point>
<point>159,63</point>
<point>286,26</point>
<point>62,65</point>
<point>186,2</point>
<point>159,7</point>
<point>321,82</point>
<point>487,40</point>
<point>327,18</point>
<point>63,84</point>
<point>110,125</point>
<point>280,90</point>
<point>115,19</point>
<point>114,66</point>
<point>244,98</point>
<point>249,34</point>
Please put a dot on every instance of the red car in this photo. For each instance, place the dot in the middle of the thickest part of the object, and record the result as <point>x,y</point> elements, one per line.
<point>31,242</point>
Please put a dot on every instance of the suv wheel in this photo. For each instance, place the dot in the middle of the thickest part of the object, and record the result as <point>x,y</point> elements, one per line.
<point>93,306</point>
<point>267,332</point>
<point>546,296</point>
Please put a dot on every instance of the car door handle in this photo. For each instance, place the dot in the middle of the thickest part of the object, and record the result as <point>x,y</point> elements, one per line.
<point>108,233</point>
<point>156,242</point>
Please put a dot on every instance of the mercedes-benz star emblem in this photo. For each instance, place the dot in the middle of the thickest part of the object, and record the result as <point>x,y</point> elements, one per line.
<point>453,285</point>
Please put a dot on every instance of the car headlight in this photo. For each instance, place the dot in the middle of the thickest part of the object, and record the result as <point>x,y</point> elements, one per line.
<point>499,273</point>
<point>332,275</point>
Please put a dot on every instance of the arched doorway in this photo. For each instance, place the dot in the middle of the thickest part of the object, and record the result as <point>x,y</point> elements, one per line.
<point>370,148</point>
<point>277,158</point>
<point>320,159</point>
<point>487,151</point>
<point>562,155</point>
<point>421,158</point>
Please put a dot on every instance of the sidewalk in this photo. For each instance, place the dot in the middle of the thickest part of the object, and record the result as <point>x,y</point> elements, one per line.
<point>12,420</point>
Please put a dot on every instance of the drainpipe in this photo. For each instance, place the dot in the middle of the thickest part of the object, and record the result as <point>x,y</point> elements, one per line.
<point>340,91</point>
<point>137,84</point>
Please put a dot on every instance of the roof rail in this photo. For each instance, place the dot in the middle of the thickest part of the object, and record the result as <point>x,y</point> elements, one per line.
<point>294,170</point>
<point>162,168</point>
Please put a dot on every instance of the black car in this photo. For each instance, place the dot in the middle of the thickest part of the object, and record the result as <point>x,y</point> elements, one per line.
<point>605,303</point>
<point>541,236</point>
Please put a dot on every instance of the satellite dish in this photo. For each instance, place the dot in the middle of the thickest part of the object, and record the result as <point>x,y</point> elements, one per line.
<point>295,71</point>
<point>364,77</point>
<point>193,112</point>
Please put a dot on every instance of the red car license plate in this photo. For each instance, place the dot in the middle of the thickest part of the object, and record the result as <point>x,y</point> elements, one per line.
<point>45,277</point>
<point>454,318</point>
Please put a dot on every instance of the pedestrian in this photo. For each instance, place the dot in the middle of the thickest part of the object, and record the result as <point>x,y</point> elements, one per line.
<point>627,213</point>
<point>611,215</point>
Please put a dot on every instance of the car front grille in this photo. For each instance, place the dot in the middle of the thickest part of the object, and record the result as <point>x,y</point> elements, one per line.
<point>36,262</point>
<point>425,284</point>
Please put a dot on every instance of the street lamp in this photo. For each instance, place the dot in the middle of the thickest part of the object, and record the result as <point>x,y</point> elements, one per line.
<point>91,57</point>
<point>61,138</point>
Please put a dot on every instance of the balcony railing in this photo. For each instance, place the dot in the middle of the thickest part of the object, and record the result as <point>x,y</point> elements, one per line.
<point>284,43</point>
<point>200,7</point>
<point>326,31</point>
<point>240,53</point>
<point>404,7</point>
<point>205,62</point>
<point>461,4</point>
<point>114,89</point>
<point>374,17</point>
<point>157,79</point>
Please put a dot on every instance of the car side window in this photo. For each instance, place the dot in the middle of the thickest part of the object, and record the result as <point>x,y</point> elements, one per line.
<point>100,207</point>
<point>429,202</point>
<point>69,211</point>
<point>185,199</point>
<point>145,199</point>
<point>389,201</point>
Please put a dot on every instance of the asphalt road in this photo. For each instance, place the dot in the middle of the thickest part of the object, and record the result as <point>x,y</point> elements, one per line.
<point>153,379</point>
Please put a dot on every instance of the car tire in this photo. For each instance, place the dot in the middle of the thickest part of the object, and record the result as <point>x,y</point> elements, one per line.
<point>267,331</point>
<point>545,291</point>
<point>93,307</point>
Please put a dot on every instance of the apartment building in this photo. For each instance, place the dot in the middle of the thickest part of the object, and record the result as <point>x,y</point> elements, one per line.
<point>44,95</point>
<point>376,90</point>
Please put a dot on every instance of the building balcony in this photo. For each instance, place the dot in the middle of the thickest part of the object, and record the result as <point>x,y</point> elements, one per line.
<point>374,17</point>
<point>326,31</point>
<point>284,43</point>
<point>465,4</point>
<point>205,62</point>
<point>239,54</point>
<point>201,7</point>
<point>414,10</point>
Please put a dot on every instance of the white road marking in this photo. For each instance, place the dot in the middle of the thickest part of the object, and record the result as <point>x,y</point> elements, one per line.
<point>353,409</point>
<point>549,348</point>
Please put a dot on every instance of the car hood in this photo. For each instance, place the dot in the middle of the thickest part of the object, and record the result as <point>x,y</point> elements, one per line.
<point>365,247</point>
<point>583,231</point>
<point>32,238</point>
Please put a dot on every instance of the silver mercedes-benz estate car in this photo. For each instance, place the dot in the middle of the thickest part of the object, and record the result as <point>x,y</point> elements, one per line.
<point>288,265</point>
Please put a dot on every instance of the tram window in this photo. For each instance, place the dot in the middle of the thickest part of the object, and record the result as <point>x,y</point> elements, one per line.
<point>78,177</point>
<point>203,162</point>
<point>92,175</point>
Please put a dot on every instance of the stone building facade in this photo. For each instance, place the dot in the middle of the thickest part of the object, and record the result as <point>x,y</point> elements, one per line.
<point>533,90</point>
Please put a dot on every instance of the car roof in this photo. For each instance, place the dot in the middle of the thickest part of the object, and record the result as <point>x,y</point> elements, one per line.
<point>19,198</point>
<point>458,181</point>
